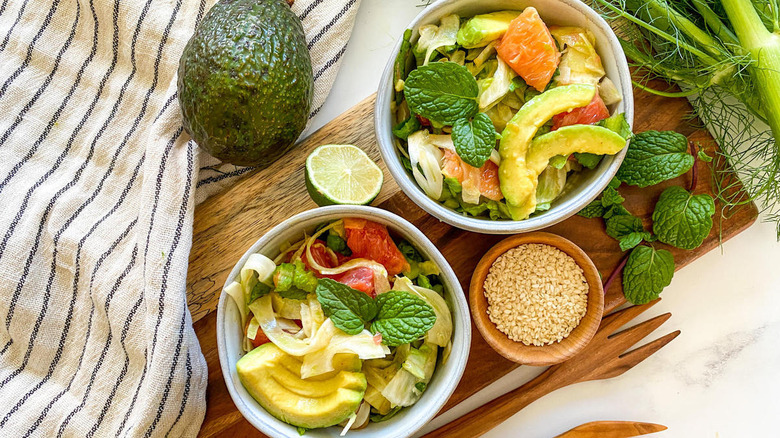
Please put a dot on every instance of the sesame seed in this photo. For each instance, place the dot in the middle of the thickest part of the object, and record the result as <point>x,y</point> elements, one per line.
<point>536,293</point>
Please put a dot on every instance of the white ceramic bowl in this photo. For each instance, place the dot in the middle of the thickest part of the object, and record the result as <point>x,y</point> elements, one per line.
<point>445,379</point>
<point>578,193</point>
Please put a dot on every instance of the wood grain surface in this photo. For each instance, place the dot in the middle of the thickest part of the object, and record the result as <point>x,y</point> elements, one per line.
<point>227,224</point>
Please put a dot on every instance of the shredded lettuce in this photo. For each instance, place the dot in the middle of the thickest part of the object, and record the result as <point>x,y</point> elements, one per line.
<point>550,185</point>
<point>426,163</point>
<point>432,37</point>
<point>375,398</point>
<point>422,362</point>
<point>498,87</point>
<point>580,64</point>
<point>400,391</point>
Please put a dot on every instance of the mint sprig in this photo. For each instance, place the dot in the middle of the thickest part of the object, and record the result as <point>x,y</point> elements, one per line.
<point>443,92</point>
<point>402,317</point>
<point>349,309</point>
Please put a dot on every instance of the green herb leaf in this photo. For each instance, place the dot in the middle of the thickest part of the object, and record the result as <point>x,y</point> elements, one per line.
<point>587,159</point>
<point>474,140</point>
<point>630,240</point>
<point>610,197</point>
<point>653,157</point>
<point>259,290</point>
<point>442,91</point>
<point>402,317</point>
<point>594,209</point>
<point>614,183</point>
<point>616,210</point>
<point>646,274</point>
<point>621,226</point>
<point>682,219</point>
<point>349,309</point>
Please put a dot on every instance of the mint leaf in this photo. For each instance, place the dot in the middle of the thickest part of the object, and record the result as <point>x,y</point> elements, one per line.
<point>616,210</point>
<point>631,240</point>
<point>474,140</point>
<point>653,157</point>
<point>349,309</point>
<point>621,226</point>
<point>610,197</point>
<point>587,159</point>
<point>402,317</point>
<point>614,183</point>
<point>682,219</point>
<point>594,209</point>
<point>442,91</point>
<point>646,274</point>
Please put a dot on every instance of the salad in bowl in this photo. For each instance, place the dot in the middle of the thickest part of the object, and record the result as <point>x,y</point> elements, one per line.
<point>345,326</point>
<point>500,115</point>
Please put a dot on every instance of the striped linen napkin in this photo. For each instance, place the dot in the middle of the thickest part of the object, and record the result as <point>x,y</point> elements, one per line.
<point>98,184</point>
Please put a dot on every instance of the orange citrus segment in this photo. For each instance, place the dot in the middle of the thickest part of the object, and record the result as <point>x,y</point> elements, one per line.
<point>529,49</point>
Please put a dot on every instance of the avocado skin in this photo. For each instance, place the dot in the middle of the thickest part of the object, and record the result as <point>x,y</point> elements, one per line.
<point>245,81</point>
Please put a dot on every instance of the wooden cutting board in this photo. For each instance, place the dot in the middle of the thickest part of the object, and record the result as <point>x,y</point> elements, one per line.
<point>227,224</point>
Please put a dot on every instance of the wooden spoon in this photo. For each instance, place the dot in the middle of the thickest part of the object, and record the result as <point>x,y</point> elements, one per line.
<point>612,429</point>
<point>604,357</point>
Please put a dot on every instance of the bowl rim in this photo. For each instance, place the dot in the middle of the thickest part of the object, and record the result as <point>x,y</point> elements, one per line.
<point>383,125</point>
<point>461,341</point>
<point>537,355</point>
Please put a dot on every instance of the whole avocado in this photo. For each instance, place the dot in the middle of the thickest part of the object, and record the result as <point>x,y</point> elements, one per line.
<point>245,81</point>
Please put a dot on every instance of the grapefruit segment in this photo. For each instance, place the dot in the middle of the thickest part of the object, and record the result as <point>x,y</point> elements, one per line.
<point>591,113</point>
<point>529,48</point>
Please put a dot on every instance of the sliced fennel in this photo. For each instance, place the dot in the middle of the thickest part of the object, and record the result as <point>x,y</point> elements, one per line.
<point>363,344</point>
<point>264,313</point>
<point>441,332</point>
<point>498,87</point>
<point>375,398</point>
<point>256,265</point>
<point>426,163</point>
<point>432,37</point>
<point>400,391</point>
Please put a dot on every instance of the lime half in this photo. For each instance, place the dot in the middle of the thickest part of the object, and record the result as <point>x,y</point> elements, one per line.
<point>342,174</point>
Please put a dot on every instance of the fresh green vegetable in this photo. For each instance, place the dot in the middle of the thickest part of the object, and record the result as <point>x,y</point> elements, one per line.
<point>423,281</point>
<point>588,160</point>
<point>349,309</point>
<point>655,156</point>
<point>442,91</point>
<point>617,123</point>
<point>683,219</point>
<point>726,55</point>
<point>259,290</point>
<point>474,139</point>
<point>303,279</point>
<point>409,251</point>
<point>338,244</point>
<point>648,271</point>
<point>402,317</point>
<point>400,67</point>
<point>389,415</point>
<point>610,196</point>
<point>407,127</point>
<point>283,276</point>
<point>594,209</point>
<point>619,227</point>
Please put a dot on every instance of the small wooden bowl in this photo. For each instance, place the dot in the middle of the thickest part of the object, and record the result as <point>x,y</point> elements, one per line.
<point>533,355</point>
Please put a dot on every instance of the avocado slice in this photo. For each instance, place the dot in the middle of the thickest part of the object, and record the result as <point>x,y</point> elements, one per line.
<point>566,140</point>
<point>481,29</point>
<point>245,81</point>
<point>516,184</point>
<point>273,378</point>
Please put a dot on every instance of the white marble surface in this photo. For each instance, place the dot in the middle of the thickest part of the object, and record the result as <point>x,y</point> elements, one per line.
<point>719,378</point>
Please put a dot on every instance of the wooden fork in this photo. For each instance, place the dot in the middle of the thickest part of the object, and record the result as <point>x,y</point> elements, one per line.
<point>604,357</point>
